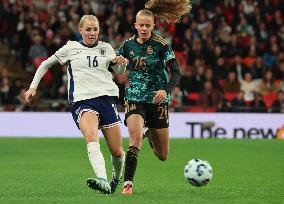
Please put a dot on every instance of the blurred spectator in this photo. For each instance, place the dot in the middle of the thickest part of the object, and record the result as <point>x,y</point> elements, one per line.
<point>262,34</point>
<point>258,68</point>
<point>186,84</point>
<point>5,92</point>
<point>278,105</point>
<point>237,64</point>
<point>257,105</point>
<point>209,76</point>
<point>270,56</point>
<point>244,29</point>
<point>196,80</point>
<point>231,83</point>
<point>16,88</point>
<point>4,72</point>
<point>238,103</point>
<point>279,70</point>
<point>37,50</point>
<point>249,6</point>
<point>220,68</point>
<point>176,100</point>
<point>209,97</point>
<point>248,85</point>
<point>267,84</point>
<point>234,46</point>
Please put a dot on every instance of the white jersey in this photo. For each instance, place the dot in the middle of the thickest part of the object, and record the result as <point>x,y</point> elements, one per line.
<point>88,75</point>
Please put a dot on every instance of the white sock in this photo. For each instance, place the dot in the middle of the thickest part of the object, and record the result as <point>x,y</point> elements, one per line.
<point>118,164</point>
<point>97,159</point>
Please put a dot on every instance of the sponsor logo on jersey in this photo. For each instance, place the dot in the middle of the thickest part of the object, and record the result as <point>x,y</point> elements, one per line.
<point>131,52</point>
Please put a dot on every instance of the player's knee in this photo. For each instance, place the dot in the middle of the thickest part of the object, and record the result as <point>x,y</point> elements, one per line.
<point>135,132</point>
<point>89,135</point>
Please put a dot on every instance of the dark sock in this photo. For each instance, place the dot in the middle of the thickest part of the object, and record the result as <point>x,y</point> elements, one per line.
<point>130,163</point>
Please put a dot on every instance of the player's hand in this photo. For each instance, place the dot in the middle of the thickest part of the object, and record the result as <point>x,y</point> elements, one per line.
<point>29,94</point>
<point>120,60</point>
<point>160,96</point>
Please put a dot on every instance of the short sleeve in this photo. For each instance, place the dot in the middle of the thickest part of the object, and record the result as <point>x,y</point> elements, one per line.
<point>63,53</point>
<point>120,50</point>
<point>110,51</point>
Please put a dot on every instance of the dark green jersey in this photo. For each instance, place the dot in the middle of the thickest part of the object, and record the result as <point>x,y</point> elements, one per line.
<point>147,64</point>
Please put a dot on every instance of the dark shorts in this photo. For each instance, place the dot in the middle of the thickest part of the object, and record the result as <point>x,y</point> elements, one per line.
<point>155,116</point>
<point>103,106</point>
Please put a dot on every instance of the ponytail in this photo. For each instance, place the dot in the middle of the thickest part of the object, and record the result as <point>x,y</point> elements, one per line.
<point>169,10</point>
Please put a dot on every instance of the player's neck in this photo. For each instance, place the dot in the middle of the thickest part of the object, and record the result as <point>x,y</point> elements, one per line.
<point>88,45</point>
<point>142,41</point>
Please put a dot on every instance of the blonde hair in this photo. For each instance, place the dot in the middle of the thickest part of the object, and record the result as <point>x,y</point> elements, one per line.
<point>87,18</point>
<point>145,12</point>
<point>168,10</point>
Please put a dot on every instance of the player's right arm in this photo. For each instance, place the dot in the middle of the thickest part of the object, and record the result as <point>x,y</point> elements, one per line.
<point>60,56</point>
<point>44,66</point>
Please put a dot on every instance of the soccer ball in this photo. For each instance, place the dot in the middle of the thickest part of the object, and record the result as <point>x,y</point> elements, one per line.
<point>198,172</point>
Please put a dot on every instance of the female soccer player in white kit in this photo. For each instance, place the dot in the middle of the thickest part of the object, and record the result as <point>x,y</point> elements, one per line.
<point>91,93</point>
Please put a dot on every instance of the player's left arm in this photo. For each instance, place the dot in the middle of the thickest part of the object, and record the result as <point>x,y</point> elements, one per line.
<point>161,95</point>
<point>171,63</point>
<point>175,75</point>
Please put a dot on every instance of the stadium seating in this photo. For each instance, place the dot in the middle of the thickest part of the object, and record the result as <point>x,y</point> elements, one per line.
<point>193,96</point>
<point>200,109</point>
<point>230,96</point>
<point>269,99</point>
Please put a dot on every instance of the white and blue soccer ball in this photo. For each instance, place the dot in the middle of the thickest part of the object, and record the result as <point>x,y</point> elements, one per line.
<point>198,172</point>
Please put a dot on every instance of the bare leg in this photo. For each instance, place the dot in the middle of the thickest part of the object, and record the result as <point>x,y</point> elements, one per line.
<point>160,138</point>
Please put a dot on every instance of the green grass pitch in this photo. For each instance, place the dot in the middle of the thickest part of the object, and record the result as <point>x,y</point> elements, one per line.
<point>55,171</point>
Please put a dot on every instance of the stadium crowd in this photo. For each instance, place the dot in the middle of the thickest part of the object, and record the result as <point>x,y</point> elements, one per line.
<point>230,52</point>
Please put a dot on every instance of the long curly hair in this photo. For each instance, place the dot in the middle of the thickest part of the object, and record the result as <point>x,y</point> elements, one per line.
<point>169,10</point>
